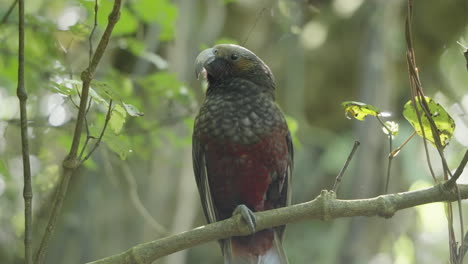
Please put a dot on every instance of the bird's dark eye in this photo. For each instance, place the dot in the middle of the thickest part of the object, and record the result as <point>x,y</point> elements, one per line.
<point>234,57</point>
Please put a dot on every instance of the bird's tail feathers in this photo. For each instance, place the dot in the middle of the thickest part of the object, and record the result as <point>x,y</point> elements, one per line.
<point>264,247</point>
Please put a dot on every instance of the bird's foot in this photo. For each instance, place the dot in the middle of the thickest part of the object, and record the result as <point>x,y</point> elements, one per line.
<point>247,215</point>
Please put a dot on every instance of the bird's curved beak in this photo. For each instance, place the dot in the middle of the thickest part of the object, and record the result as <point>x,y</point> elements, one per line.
<point>203,59</point>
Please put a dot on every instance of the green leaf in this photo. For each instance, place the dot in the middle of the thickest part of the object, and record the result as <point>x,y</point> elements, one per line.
<point>162,12</point>
<point>442,120</point>
<point>96,97</point>
<point>62,88</point>
<point>132,110</point>
<point>105,90</point>
<point>66,86</point>
<point>117,119</point>
<point>119,144</point>
<point>359,110</point>
<point>392,126</point>
<point>127,22</point>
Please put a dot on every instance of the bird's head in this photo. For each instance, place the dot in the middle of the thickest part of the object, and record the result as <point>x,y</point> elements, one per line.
<point>226,61</point>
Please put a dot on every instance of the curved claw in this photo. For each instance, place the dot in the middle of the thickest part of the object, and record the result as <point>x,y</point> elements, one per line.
<point>247,215</point>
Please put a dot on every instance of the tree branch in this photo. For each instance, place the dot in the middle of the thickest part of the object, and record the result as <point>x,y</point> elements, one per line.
<point>71,162</point>
<point>324,207</point>
<point>23,97</point>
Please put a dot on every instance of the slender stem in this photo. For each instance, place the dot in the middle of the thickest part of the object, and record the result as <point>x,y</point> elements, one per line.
<point>390,156</point>
<point>414,79</point>
<point>96,8</point>
<point>71,162</point>
<point>348,160</point>
<point>398,149</point>
<point>459,170</point>
<point>7,14</point>
<point>417,92</point>
<point>23,97</point>
<point>98,142</point>
<point>462,228</point>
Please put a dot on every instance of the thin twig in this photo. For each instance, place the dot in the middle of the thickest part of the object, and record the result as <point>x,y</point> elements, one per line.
<point>390,156</point>
<point>7,14</point>
<point>342,171</point>
<point>88,134</point>
<point>23,97</point>
<point>88,137</point>
<point>462,228</point>
<point>324,207</point>
<point>259,15</point>
<point>459,171</point>
<point>96,8</point>
<point>98,142</point>
<point>398,149</point>
<point>71,163</point>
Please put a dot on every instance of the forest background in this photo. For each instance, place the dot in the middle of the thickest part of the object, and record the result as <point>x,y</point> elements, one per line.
<point>139,186</point>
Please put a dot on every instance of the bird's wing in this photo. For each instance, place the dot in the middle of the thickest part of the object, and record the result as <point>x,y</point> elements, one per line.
<point>288,180</point>
<point>286,191</point>
<point>199,168</point>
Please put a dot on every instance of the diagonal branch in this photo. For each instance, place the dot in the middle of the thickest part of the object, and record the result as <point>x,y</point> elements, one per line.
<point>324,207</point>
<point>71,162</point>
<point>7,14</point>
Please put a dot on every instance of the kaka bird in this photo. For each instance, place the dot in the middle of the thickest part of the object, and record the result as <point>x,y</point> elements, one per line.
<point>242,150</point>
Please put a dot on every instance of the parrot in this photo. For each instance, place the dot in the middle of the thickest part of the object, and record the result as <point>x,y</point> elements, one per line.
<point>242,150</point>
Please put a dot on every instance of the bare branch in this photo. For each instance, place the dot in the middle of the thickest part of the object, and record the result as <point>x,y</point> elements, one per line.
<point>342,171</point>
<point>390,156</point>
<point>324,207</point>
<point>23,97</point>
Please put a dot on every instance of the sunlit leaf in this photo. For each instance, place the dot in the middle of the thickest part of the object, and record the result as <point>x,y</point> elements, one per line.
<point>443,121</point>
<point>132,110</point>
<point>62,89</point>
<point>392,126</point>
<point>66,86</point>
<point>359,110</point>
<point>117,119</point>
